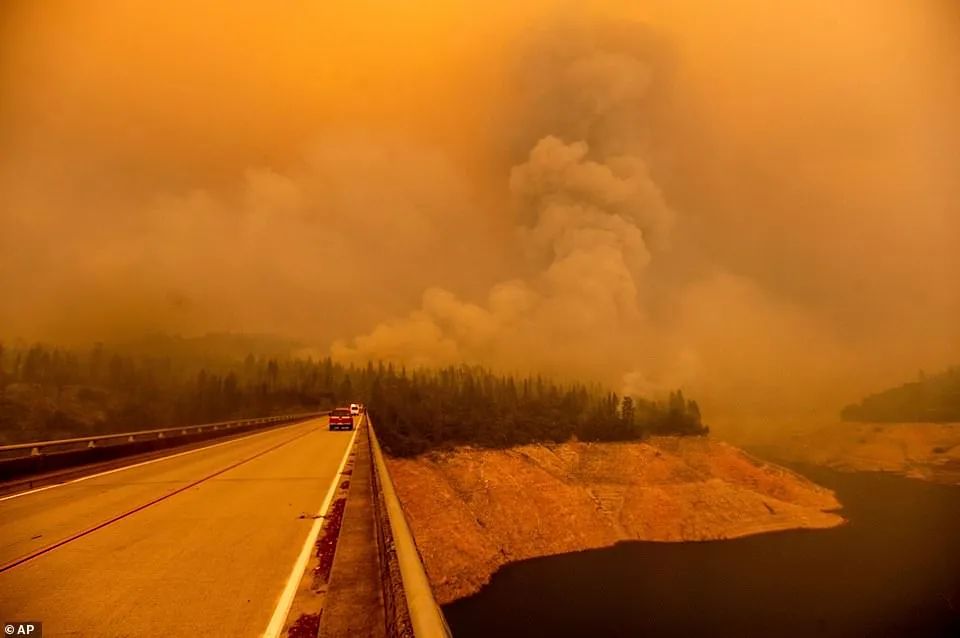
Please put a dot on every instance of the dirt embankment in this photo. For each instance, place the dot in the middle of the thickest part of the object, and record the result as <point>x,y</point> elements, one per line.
<point>474,510</point>
<point>929,451</point>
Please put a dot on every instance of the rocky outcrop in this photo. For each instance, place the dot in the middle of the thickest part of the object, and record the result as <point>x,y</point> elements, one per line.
<point>474,510</point>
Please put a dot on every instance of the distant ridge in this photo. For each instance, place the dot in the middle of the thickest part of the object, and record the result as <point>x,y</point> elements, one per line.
<point>932,399</point>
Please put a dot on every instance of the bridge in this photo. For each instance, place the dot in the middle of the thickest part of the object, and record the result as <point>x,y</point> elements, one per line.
<point>260,527</point>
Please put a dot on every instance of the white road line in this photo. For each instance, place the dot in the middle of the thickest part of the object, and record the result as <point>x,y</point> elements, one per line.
<point>279,617</point>
<point>157,460</point>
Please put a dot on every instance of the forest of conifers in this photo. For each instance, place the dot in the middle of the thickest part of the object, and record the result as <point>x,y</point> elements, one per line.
<point>931,398</point>
<point>49,393</point>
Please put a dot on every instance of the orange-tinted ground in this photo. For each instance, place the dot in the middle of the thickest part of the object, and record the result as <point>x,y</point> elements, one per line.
<point>474,510</point>
<point>928,451</point>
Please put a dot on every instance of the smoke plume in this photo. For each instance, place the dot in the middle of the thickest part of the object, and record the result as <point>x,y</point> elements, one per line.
<point>753,203</point>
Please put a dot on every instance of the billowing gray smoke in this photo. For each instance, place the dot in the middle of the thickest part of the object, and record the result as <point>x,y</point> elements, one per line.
<point>589,224</point>
<point>758,204</point>
<point>593,230</point>
<point>622,288</point>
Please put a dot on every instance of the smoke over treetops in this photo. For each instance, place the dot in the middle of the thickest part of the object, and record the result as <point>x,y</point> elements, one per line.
<point>588,238</point>
<point>759,210</point>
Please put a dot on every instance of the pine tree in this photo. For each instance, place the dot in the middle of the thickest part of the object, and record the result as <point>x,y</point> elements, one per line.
<point>627,414</point>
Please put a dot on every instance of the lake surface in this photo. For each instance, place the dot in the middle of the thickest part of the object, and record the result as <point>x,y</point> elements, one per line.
<point>893,570</point>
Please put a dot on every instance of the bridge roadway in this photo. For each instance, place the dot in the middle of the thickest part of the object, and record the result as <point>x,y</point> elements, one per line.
<point>201,543</point>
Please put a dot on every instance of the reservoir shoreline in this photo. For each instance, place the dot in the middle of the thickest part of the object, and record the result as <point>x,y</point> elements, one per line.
<point>893,570</point>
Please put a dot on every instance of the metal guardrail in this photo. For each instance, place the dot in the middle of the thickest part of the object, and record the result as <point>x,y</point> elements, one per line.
<point>64,445</point>
<point>424,613</point>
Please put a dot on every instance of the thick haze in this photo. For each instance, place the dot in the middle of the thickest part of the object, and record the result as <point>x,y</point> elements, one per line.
<point>759,204</point>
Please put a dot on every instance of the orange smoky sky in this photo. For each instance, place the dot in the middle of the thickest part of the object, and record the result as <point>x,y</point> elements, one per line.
<point>754,201</point>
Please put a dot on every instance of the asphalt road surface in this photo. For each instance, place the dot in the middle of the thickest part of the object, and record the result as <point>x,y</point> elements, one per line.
<point>195,544</point>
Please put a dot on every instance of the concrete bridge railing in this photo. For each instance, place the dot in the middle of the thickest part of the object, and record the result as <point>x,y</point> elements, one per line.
<point>410,607</point>
<point>26,459</point>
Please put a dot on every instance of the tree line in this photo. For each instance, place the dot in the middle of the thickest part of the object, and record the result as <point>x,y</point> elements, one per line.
<point>431,409</point>
<point>50,392</point>
<point>931,398</point>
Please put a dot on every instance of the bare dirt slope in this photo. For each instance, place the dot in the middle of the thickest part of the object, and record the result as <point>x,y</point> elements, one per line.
<point>474,510</point>
<point>929,451</point>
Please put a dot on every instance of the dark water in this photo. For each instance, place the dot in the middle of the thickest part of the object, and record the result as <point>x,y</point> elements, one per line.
<point>893,570</point>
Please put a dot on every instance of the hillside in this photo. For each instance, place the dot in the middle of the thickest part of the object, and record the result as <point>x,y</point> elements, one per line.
<point>53,392</point>
<point>928,451</point>
<point>474,510</point>
<point>934,398</point>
